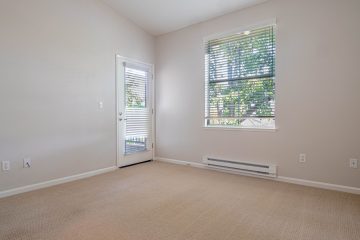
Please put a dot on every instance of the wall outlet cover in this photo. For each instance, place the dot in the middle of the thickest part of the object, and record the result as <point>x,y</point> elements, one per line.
<point>353,163</point>
<point>302,157</point>
<point>5,165</point>
<point>27,162</point>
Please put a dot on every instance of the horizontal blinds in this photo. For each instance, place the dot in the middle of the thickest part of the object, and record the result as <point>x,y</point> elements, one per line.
<point>137,111</point>
<point>240,79</point>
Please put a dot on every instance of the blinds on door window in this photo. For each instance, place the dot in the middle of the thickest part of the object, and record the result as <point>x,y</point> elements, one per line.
<point>138,110</point>
<point>240,79</point>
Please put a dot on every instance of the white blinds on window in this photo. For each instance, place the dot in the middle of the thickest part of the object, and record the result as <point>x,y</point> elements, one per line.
<point>138,110</point>
<point>240,79</point>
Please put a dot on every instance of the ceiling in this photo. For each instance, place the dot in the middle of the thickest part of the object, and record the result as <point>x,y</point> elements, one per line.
<point>162,16</point>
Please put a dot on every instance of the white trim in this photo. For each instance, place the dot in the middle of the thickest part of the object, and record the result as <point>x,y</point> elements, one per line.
<point>296,181</point>
<point>119,155</point>
<point>265,23</point>
<point>241,129</point>
<point>153,111</point>
<point>204,166</point>
<point>54,182</point>
<point>180,162</point>
<point>131,60</point>
<point>328,186</point>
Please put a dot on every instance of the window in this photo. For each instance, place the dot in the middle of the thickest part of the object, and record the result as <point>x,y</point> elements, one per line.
<point>240,80</point>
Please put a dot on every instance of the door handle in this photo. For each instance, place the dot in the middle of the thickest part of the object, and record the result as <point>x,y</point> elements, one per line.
<point>120,119</point>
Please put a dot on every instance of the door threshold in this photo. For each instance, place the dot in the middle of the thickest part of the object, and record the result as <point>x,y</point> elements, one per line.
<point>136,164</point>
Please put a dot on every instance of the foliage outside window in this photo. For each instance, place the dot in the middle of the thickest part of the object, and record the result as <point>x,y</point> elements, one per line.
<point>135,86</point>
<point>240,80</point>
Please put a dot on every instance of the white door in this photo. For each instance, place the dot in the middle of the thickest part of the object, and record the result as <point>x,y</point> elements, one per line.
<point>134,111</point>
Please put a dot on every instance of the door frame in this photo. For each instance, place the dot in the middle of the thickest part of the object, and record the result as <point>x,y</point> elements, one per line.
<point>119,59</point>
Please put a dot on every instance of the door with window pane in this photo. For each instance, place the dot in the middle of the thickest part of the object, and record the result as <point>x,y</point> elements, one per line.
<point>134,112</point>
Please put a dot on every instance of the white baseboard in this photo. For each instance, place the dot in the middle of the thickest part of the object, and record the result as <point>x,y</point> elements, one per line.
<point>328,186</point>
<point>54,182</point>
<point>180,162</point>
<point>297,181</point>
<point>204,166</point>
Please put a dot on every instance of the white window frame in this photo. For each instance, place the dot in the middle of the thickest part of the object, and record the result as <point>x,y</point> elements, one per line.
<point>265,23</point>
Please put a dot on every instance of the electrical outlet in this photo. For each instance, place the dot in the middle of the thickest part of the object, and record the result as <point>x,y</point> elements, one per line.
<point>5,165</point>
<point>27,162</point>
<point>302,157</point>
<point>353,163</point>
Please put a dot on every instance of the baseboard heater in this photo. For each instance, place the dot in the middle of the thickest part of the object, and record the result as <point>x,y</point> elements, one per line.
<point>266,170</point>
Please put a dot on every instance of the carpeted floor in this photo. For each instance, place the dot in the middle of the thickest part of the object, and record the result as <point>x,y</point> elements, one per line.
<point>159,201</point>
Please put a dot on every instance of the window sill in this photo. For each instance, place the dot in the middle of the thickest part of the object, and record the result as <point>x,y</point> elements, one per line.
<point>241,129</point>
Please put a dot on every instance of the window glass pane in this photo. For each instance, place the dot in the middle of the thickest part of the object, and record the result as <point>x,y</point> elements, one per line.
<point>137,112</point>
<point>240,84</point>
<point>135,84</point>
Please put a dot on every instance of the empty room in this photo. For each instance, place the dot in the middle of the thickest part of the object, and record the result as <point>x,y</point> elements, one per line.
<point>179,120</point>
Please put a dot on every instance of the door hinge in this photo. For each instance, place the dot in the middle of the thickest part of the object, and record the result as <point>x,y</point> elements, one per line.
<point>152,111</point>
<point>152,145</point>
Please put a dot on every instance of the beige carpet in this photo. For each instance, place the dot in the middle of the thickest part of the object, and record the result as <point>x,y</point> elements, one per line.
<point>158,201</point>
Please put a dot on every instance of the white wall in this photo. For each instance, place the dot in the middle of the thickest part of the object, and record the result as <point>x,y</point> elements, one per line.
<point>318,83</point>
<point>57,60</point>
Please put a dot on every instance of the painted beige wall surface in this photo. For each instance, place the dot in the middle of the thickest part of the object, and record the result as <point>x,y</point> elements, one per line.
<point>317,92</point>
<point>57,61</point>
